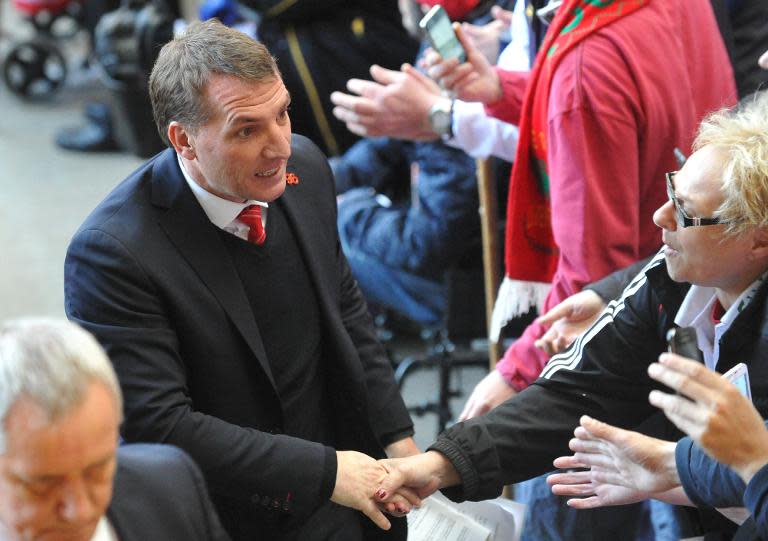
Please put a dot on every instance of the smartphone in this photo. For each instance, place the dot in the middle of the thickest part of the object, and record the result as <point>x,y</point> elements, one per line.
<point>682,340</point>
<point>439,31</point>
<point>739,376</point>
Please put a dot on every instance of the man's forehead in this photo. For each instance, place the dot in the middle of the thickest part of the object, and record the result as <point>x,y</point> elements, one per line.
<point>94,420</point>
<point>228,83</point>
<point>25,415</point>
<point>228,96</point>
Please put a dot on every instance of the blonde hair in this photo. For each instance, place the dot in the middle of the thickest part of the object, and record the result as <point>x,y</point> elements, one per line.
<point>741,134</point>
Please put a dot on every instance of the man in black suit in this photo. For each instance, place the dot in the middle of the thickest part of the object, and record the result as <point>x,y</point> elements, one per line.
<point>214,278</point>
<point>59,414</point>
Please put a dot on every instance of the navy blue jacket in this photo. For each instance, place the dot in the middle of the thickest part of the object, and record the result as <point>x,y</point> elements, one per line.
<point>708,483</point>
<point>160,495</point>
<point>429,225</point>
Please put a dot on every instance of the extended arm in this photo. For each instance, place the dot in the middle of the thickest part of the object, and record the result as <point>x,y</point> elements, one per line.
<point>602,376</point>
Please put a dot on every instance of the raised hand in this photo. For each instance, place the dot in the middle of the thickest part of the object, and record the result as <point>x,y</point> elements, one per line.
<point>394,104</point>
<point>486,37</point>
<point>568,320</point>
<point>589,493</point>
<point>474,80</point>
<point>625,466</point>
<point>722,421</point>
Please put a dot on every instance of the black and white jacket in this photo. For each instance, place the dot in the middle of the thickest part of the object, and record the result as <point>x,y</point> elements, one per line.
<point>602,374</point>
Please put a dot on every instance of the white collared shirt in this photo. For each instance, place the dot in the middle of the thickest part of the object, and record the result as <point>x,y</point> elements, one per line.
<point>221,212</point>
<point>696,312</point>
<point>104,531</point>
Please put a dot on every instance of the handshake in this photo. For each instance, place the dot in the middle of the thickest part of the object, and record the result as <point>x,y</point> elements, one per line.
<point>394,485</point>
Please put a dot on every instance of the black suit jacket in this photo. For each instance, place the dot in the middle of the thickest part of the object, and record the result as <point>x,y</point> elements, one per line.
<point>160,495</point>
<point>148,274</point>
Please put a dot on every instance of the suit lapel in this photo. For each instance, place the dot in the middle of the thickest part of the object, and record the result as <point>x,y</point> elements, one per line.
<point>306,223</point>
<point>115,521</point>
<point>189,229</point>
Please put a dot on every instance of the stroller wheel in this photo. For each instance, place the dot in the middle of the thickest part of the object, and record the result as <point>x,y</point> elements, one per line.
<point>63,25</point>
<point>34,70</point>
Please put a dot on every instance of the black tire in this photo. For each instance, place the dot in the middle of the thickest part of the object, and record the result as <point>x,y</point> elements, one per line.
<point>34,70</point>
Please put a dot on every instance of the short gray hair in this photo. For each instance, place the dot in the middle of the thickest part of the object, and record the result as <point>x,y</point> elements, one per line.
<point>186,63</point>
<point>52,362</point>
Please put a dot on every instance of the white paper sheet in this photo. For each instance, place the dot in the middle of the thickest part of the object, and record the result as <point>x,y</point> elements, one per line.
<point>439,519</point>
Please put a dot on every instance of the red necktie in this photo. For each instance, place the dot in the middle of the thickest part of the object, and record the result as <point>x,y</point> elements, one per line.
<point>251,216</point>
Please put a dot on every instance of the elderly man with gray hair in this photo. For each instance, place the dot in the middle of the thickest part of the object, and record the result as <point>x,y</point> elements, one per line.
<point>60,408</point>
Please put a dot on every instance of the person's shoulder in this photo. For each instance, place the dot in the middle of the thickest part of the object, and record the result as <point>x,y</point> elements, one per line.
<point>655,30</point>
<point>307,161</point>
<point>160,493</point>
<point>156,467</point>
<point>129,199</point>
<point>600,73</point>
<point>302,148</point>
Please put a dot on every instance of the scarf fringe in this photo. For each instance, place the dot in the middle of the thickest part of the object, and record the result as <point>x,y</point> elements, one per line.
<point>515,298</point>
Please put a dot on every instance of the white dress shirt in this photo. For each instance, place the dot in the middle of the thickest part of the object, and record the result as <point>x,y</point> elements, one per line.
<point>104,531</point>
<point>696,312</point>
<point>222,212</point>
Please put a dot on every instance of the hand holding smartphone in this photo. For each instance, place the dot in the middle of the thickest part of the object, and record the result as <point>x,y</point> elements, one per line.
<point>439,31</point>
<point>682,341</point>
<point>739,376</point>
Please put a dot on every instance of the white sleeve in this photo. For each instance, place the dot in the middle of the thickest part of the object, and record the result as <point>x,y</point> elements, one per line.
<point>480,135</point>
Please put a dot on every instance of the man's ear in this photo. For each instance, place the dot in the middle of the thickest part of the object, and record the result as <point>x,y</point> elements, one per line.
<point>181,140</point>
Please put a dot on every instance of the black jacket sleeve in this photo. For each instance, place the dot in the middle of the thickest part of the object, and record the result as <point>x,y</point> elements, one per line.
<point>602,374</point>
<point>387,413</point>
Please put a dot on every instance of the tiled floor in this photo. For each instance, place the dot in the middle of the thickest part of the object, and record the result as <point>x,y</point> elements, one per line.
<point>44,192</point>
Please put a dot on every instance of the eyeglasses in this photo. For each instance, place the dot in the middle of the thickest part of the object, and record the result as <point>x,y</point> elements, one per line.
<point>683,220</point>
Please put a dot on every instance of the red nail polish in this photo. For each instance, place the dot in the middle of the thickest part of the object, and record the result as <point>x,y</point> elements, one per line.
<point>381,494</point>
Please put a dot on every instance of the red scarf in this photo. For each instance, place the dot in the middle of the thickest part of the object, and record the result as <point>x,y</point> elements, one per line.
<point>530,251</point>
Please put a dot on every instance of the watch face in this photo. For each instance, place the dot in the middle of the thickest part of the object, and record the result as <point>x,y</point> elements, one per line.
<point>440,119</point>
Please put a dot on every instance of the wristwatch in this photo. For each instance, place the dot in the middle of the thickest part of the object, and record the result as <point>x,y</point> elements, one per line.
<point>441,118</point>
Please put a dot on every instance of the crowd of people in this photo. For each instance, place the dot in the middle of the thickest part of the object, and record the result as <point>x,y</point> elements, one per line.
<point>221,376</point>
